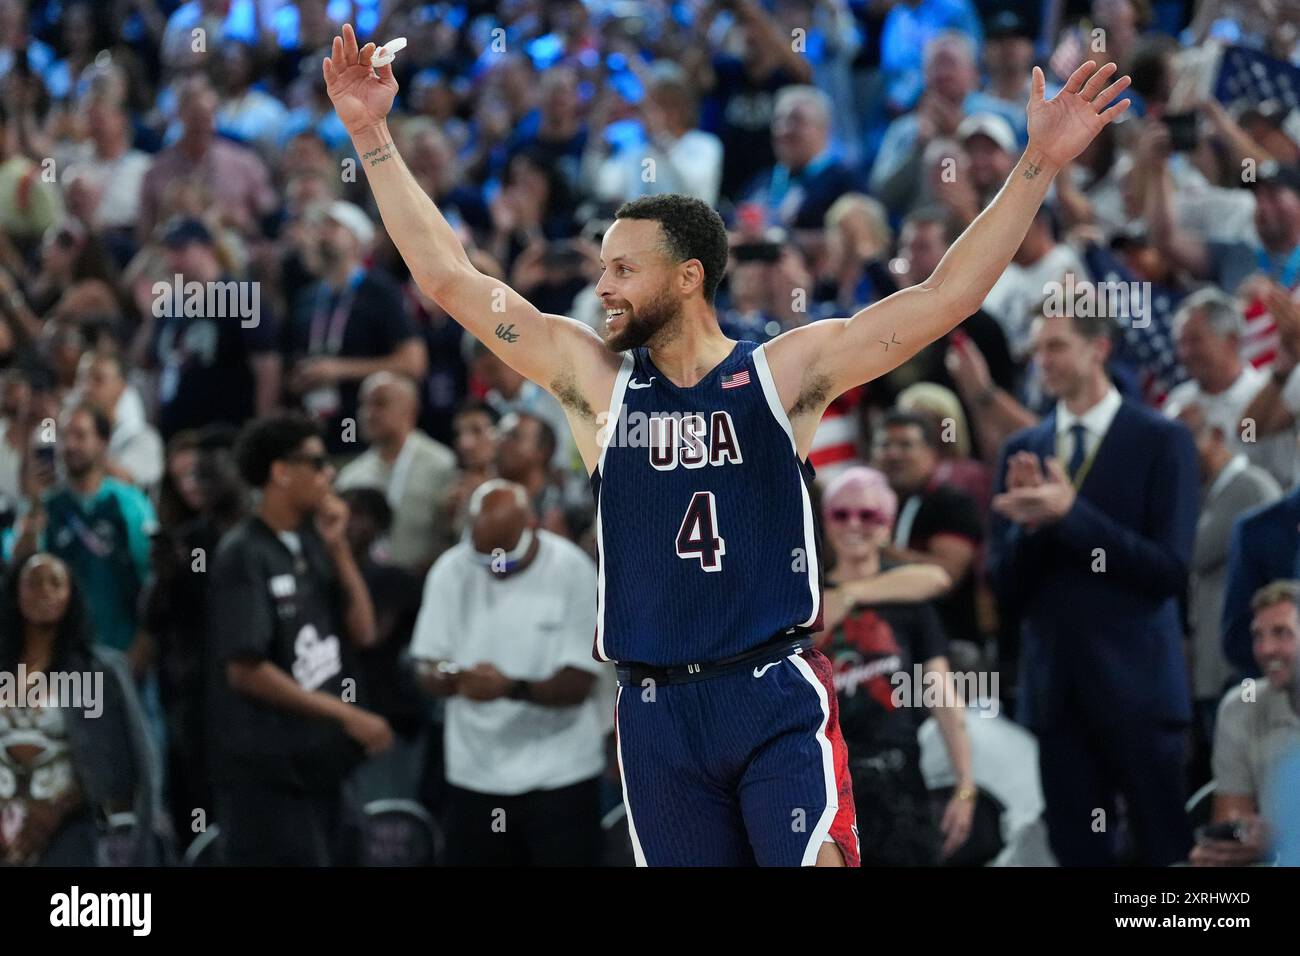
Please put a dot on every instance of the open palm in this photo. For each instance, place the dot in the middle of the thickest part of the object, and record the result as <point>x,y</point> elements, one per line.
<point>1060,128</point>
<point>361,97</point>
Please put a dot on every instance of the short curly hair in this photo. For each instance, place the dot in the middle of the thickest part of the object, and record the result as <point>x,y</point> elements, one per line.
<point>692,230</point>
<point>265,441</point>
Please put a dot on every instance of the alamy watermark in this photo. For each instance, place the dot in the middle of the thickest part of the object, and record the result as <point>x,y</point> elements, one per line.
<point>230,299</point>
<point>1129,302</point>
<point>74,690</point>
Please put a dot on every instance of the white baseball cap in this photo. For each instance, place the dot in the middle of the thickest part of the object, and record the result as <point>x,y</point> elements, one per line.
<point>992,125</point>
<point>353,218</point>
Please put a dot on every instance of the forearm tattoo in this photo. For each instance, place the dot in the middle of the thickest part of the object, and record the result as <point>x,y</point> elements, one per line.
<point>379,154</point>
<point>1032,170</point>
<point>507,333</point>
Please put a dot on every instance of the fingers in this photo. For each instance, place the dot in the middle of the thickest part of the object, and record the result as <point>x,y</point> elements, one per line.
<point>366,53</point>
<point>336,52</point>
<point>1115,89</point>
<point>349,44</point>
<point>1038,85</point>
<point>385,73</point>
<point>327,68</point>
<point>1097,81</point>
<point>1115,111</point>
<point>1080,76</point>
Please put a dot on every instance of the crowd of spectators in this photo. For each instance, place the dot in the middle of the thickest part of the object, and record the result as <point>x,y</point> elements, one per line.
<point>246,465</point>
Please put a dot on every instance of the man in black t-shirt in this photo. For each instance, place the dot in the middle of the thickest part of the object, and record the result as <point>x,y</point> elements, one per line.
<point>212,344</point>
<point>286,596</point>
<point>936,523</point>
<point>346,327</point>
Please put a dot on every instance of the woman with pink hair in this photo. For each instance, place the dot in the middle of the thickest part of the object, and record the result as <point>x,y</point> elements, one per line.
<point>873,643</point>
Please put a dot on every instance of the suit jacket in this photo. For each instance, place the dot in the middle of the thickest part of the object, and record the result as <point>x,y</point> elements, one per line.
<point>1264,548</point>
<point>1104,645</point>
<point>1248,488</point>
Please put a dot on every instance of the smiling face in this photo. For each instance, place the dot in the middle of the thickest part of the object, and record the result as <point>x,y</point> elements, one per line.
<point>640,287</point>
<point>859,518</point>
<point>1274,633</point>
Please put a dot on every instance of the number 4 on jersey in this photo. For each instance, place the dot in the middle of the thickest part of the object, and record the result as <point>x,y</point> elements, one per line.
<point>698,536</point>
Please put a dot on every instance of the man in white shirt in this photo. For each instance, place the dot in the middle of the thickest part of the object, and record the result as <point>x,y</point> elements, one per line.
<point>1016,297</point>
<point>135,450</point>
<point>504,633</point>
<point>414,471</point>
<point>106,165</point>
<point>1208,331</point>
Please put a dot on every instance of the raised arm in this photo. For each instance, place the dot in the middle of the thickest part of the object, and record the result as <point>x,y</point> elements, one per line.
<point>815,363</point>
<point>548,349</point>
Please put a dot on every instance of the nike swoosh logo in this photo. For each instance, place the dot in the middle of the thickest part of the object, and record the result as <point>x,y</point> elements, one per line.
<point>760,671</point>
<point>633,383</point>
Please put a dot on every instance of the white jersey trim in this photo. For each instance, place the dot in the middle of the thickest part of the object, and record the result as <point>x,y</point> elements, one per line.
<point>809,528</point>
<point>611,425</point>
<point>821,832</point>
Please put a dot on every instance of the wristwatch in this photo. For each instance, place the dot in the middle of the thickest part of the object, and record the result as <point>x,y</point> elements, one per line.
<point>965,792</point>
<point>521,690</point>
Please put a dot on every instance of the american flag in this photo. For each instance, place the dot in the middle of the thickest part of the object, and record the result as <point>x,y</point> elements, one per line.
<point>1149,348</point>
<point>736,380</point>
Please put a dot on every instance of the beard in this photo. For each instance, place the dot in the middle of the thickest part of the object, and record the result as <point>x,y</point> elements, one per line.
<point>643,324</point>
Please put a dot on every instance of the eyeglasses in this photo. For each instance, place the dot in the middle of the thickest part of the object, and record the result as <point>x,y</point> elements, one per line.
<point>317,462</point>
<point>868,516</point>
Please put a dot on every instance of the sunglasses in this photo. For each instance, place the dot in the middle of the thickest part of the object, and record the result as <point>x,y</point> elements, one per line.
<point>317,462</point>
<point>867,516</point>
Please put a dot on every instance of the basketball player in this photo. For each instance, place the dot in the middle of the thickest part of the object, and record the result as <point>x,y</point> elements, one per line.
<point>709,560</point>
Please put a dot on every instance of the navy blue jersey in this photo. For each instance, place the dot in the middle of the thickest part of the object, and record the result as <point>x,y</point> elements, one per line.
<point>707,542</point>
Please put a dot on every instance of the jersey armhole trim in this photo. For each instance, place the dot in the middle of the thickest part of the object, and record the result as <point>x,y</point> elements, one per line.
<point>770,393</point>
<point>615,407</point>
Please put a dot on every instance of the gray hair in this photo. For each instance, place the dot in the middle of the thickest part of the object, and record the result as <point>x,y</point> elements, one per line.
<point>816,99</point>
<point>1220,311</point>
<point>949,38</point>
<point>1281,591</point>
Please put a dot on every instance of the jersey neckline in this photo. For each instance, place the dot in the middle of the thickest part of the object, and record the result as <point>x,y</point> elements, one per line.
<point>712,373</point>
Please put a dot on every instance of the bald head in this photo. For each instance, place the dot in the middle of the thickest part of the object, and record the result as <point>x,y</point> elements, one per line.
<point>499,513</point>
<point>390,407</point>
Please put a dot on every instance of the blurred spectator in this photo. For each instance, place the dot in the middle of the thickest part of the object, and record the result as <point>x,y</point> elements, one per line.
<point>740,83</point>
<point>176,614</point>
<point>1008,58</point>
<point>1102,483</point>
<point>1016,297</point>
<point>241,187</point>
<point>524,452</point>
<point>385,669</point>
<point>957,467</point>
<point>179,498</point>
<point>135,452</point>
<point>682,158</point>
<point>245,113</point>
<point>348,326</point>
<point>505,633</point>
<point>1258,724</point>
<point>508,391</point>
<point>475,427</point>
<point>1265,547</point>
<point>285,596</point>
<point>1230,485</point>
<point>852,272</point>
<point>873,647</point>
<point>1209,330</point>
<point>923,240</point>
<point>936,523</point>
<point>1276,402</point>
<point>68,764</point>
<point>211,367</point>
<point>951,92</point>
<point>807,178</point>
<point>991,152</point>
<point>105,174</point>
<point>413,471</point>
<point>97,525</point>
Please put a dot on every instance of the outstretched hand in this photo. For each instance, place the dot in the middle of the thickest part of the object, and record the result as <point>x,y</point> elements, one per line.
<point>361,96</point>
<point>1062,127</point>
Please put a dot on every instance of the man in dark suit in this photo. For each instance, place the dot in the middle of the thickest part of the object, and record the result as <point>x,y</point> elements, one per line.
<point>1095,514</point>
<point>1265,547</point>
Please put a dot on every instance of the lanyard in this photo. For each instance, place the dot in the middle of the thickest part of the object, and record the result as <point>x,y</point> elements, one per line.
<point>327,328</point>
<point>1077,480</point>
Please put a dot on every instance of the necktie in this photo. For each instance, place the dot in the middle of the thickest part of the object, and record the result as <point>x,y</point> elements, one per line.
<point>1077,431</point>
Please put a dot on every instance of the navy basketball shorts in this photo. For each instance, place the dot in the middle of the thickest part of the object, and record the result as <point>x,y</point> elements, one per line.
<point>744,768</point>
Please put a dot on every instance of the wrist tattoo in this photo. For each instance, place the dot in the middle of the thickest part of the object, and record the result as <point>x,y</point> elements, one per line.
<point>378,155</point>
<point>1032,170</point>
<point>507,333</point>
